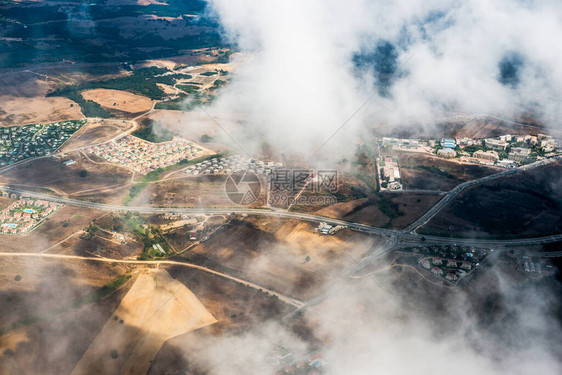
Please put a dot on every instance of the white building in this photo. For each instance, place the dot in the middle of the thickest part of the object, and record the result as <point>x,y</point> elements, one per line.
<point>519,153</point>
<point>466,141</point>
<point>505,138</point>
<point>495,144</point>
<point>447,153</point>
<point>487,155</point>
<point>400,142</point>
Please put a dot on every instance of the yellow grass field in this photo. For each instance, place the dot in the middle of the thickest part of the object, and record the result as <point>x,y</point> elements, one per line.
<point>155,309</point>
<point>24,111</point>
<point>120,100</point>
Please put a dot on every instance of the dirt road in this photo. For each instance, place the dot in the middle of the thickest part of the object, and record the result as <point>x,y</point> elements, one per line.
<point>281,297</point>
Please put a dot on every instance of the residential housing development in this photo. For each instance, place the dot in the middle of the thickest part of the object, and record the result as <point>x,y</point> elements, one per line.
<point>143,156</point>
<point>233,163</point>
<point>505,151</point>
<point>18,143</point>
<point>25,214</point>
<point>450,269</point>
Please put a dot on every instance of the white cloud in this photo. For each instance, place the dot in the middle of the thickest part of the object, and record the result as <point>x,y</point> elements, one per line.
<point>364,333</point>
<point>300,84</point>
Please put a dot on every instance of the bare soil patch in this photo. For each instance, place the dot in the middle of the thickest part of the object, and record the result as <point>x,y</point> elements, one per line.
<point>523,205</point>
<point>412,206</point>
<point>183,191</point>
<point>156,308</point>
<point>387,210</point>
<point>420,171</point>
<point>100,181</point>
<point>295,260</point>
<point>94,132</point>
<point>170,90</point>
<point>345,209</point>
<point>237,309</point>
<point>54,333</point>
<point>25,84</point>
<point>495,128</point>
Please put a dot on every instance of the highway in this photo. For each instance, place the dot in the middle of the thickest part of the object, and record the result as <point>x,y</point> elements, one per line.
<point>477,242</point>
<point>399,235</point>
<point>415,191</point>
<point>550,254</point>
<point>195,210</point>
